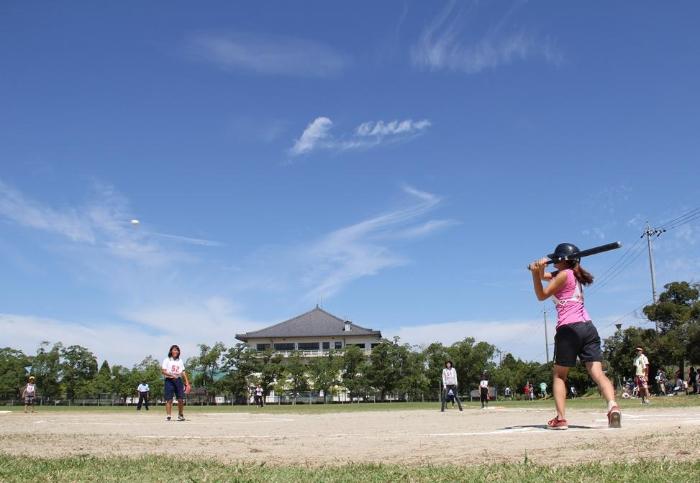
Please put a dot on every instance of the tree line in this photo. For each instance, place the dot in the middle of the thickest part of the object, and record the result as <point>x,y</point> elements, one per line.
<point>393,369</point>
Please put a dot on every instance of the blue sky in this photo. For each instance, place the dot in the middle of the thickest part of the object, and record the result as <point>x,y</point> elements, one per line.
<point>399,163</point>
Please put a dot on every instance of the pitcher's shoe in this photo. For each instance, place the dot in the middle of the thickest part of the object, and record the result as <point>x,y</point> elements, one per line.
<point>181,417</point>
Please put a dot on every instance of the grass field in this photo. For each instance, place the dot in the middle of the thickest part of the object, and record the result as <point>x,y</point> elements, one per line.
<point>579,403</point>
<point>359,442</point>
<point>151,468</point>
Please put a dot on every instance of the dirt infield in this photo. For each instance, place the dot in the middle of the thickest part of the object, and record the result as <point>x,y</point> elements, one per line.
<point>406,437</point>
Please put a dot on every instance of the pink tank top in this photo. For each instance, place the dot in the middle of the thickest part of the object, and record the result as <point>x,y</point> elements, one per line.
<point>569,301</point>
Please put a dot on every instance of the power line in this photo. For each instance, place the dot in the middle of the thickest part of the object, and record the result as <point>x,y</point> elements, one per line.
<point>623,317</point>
<point>686,217</point>
<point>626,261</point>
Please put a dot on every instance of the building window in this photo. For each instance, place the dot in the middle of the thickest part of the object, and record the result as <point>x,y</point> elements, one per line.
<point>308,346</point>
<point>361,346</point>
<point>326,346</point>
<point>285,346</point>
<point>338,344</point>
<point>375,345</point>
<point>262,347</point>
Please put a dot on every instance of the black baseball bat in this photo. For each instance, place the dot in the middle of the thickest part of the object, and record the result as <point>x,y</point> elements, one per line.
<point>583,253</point>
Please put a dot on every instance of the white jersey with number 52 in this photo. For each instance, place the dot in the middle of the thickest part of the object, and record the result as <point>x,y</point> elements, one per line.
<point>173,366</point>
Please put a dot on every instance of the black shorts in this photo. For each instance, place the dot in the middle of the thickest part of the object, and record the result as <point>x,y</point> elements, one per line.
<point>174,388</point>
<point>579,339</point>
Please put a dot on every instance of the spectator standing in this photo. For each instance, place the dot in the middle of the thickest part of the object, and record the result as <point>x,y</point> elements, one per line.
<point>143,391</point>
<point>258,396</point>
<point>661,381</point>
<point>641,374</point>
<point>449,382</point>
<point>484,391</point>
<point>692,381</point>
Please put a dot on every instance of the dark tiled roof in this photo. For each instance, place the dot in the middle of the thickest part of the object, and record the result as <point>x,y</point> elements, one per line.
<point>315,323</point>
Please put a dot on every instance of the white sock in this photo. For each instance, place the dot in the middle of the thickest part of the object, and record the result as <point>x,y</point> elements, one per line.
<point>611,404</point>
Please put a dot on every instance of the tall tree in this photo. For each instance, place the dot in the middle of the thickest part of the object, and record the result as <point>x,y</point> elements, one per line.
<point>103,381</point>
<point>325,372</point>
<point>148,371</point>
<point>471,359</point>
<point>413,382</point>
<point>297,379</point>
<point>78,368</point>
<point>46,368</point>
<point>354,372</point>
<point>677,314</point>
<point>435,356</point>
<point>13,373</point>
<point>239,365</point>
<point>619,351</point>
<point>389,364</point>
<point>207,365</point>
<point>270,369</point>
<point>124,382</point>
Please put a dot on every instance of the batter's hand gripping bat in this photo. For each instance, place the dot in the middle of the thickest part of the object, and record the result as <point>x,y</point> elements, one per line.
<point>583,253</point>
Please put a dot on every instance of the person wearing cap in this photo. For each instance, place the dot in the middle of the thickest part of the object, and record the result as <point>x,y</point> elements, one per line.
<point>576,337</point>
<point>28,394</point>
<point>641,374</point>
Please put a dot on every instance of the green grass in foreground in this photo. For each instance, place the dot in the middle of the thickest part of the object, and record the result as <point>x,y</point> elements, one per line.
<point>153,468</point>
<point>579,403</point>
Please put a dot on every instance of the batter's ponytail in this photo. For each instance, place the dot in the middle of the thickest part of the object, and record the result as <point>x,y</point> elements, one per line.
<point>583,277</point>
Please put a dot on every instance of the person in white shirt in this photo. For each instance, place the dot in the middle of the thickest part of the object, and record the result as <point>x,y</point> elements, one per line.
<point>641,374</point>
<point>508,393</point>
<point>484,391</point>
<point>258,396</point>
<point>449,381</point>
<point>29,393</point>
<point>173,369</point>
<point>143,390</point>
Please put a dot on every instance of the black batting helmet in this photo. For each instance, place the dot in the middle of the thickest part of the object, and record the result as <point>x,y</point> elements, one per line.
<point>563,251</point>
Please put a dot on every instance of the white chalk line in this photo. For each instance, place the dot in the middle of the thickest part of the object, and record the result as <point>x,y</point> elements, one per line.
<point>169,438</point>
<point>512,431</point>
<point>5,412</point>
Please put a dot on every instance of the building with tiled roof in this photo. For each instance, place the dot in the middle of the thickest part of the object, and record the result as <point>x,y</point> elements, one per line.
<point>313,333</point>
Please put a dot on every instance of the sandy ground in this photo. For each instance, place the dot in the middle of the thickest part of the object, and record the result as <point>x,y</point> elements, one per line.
<point>408,437</point>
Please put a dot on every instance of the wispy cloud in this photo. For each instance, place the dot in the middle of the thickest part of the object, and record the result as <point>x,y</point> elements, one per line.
<point>317,135</point>
<point>447,44</point>
<point>102,222</point>
<point>150,331</point>
<point>321,267</point>
<point>267,54</point>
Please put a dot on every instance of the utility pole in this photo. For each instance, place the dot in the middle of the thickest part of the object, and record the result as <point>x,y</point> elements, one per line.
<point>546,338</point>
<point>649,232</point>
